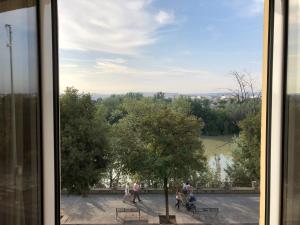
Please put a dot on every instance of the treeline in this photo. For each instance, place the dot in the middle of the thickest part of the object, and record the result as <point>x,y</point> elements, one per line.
<point>106,141</point>
<point>220,116</point>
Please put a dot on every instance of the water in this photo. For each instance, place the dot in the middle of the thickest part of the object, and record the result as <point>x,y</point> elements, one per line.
<point>219,147</point>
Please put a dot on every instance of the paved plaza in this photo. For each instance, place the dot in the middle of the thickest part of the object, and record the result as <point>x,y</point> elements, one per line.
<point>101,209</point>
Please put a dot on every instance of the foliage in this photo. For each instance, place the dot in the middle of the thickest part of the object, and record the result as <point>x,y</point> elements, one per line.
<point>239,111</point>
<point>83,142</point>
<point>215,116</point>
<point>157,142</point>
<point>246,154</point>
<point>153,138</point>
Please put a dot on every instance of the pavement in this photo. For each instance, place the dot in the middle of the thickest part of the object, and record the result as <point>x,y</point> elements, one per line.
<point>100,209</point>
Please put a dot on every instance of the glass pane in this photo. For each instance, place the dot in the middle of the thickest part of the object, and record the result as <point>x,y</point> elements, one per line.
<point>292,120</point>
<point>160,102</point>
<point>20,184</point>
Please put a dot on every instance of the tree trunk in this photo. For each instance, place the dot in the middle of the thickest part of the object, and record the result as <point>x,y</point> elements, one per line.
<point>166,197</point>
<point>110,178</point>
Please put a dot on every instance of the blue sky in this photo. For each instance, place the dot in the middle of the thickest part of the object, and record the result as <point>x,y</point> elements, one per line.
<point>182,46</point>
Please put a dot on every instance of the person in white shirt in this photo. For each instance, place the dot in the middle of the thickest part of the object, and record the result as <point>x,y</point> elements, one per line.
<point>178,199</point>
<point>136,189</point>
<point>126,192</point>
<point>186,187</point>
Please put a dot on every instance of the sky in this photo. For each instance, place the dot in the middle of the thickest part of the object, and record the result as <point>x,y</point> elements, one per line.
<point>174,46</point>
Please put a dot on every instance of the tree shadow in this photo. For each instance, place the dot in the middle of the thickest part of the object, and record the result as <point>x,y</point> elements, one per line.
<point>96,203</point>
<point>146,209</point>
<point>143,207</point>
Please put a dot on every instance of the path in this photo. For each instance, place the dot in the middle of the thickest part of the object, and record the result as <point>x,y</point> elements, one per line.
<point>100,209</point>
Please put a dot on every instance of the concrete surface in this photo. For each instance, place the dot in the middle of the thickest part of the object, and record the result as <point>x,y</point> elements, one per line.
<point>101,209</point>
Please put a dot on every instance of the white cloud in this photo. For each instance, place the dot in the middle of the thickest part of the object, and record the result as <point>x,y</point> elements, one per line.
<point>164,18</point>
<point>108,78</point>
<point>113,26</point>
<point>109,67</point>
<point>66,65</point>
<point>112,66</point>
<point>115,75</point>
<point>113,60</point>
<point>256,7</point>
<point>119,67</point>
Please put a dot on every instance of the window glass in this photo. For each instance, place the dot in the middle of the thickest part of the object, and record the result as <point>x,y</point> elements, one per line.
<point>19,115</point>
<point>292,120</point>
<point>160,105</point>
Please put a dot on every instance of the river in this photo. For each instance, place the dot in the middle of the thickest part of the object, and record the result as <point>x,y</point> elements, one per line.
<point>218,147</point>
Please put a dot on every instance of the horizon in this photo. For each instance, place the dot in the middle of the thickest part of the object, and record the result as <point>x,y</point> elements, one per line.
<point>167,94</point>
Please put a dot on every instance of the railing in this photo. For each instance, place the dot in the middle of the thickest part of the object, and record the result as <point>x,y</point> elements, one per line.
<point>236,190</point>
<point>224,187</point>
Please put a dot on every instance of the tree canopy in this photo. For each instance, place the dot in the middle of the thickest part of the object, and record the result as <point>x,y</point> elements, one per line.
<point>155,141</point>
<point>246,154</point>
<point>83,142</point>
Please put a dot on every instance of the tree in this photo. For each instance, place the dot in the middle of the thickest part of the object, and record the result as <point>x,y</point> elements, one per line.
<point>157,142</point>
<point>245,86</point>
<point>217,119</point>
<point>182,104</point>
<point>108,105</point>
<point>83,142</point>
<point>246,155</point>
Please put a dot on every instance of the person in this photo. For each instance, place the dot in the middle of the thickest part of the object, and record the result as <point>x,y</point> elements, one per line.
<point>126,192</point>
<point>178,199</point>
<point>192,197</point>
<point>190,206</point>
<point>136,189</point>
<point>186,188</point>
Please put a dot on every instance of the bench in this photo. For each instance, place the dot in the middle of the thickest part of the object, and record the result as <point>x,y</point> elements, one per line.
<point>126,210</point>
<point>203,210</point>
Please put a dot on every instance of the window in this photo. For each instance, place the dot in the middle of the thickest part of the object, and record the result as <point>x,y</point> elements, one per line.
<point>165,94</point>
<point>291,187</point>
<point>20,143</point>
<point>134,63</point>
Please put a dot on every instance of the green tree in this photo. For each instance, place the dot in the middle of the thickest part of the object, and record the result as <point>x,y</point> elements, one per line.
<point>182,104</point>
<point>246,154</point>
<point>108,105</point>
<point>215,116</point>
<point>83,142</point>
<point>238,111</point>
<point>157,142</point>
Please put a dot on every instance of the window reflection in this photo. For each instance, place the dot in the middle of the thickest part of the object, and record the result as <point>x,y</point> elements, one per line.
<point>19,115</point>
<point>292,120</point>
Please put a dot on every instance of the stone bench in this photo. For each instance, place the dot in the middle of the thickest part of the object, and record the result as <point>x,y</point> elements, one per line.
<point>204,210</point>
<point>128,210</point>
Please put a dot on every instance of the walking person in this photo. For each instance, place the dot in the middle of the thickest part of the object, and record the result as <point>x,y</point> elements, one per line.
<point>136,190</point>
<point>178,199</point>
<point>126,193</point>
<point>186,188</point>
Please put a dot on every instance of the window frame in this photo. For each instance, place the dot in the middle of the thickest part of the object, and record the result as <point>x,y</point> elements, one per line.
<point>274,50</point>
<point>49,82</point>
